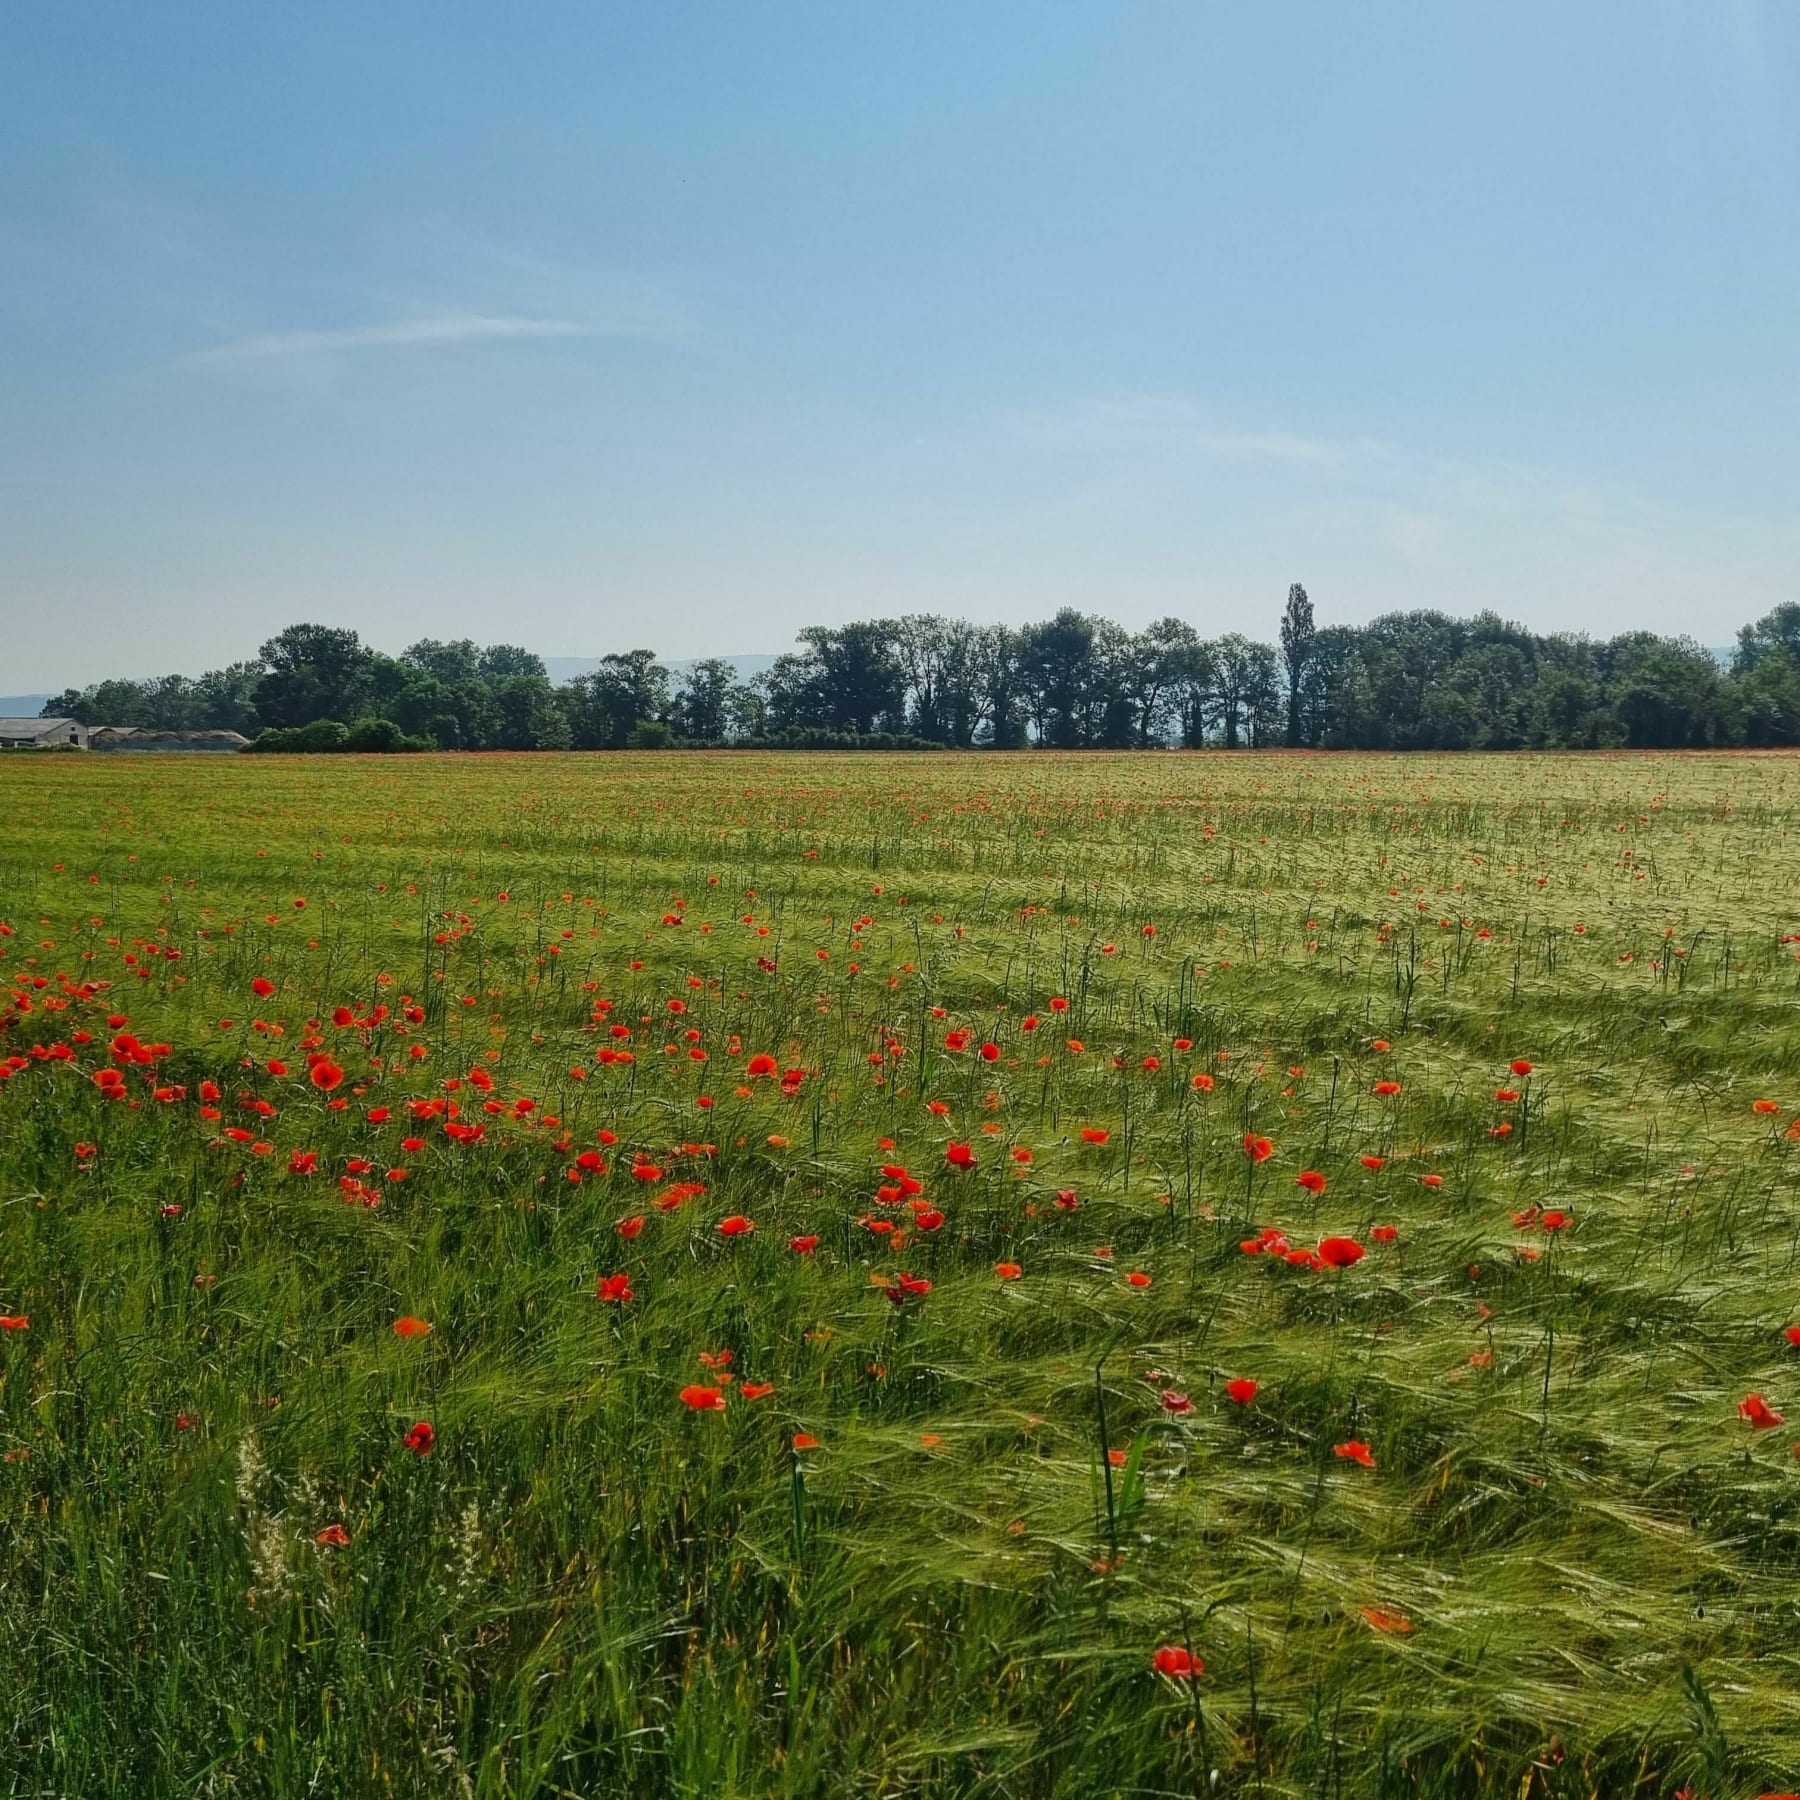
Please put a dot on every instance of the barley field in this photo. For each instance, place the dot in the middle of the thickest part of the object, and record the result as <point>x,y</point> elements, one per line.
<point>727,1275</point>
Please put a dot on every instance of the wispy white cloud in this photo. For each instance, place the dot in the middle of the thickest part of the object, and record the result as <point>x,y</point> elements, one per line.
<point>402,334</point>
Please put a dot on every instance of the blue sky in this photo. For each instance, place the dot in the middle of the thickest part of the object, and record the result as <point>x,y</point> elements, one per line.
<point>591,326</point>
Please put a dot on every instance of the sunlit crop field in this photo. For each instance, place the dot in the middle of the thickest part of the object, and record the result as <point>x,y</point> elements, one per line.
<point>725,1276</point>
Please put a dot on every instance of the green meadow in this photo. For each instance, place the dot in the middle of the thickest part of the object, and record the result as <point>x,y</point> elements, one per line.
<point>1033,1275</point>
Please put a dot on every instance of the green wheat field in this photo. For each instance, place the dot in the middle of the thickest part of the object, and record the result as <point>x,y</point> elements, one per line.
<point>729,1275</point>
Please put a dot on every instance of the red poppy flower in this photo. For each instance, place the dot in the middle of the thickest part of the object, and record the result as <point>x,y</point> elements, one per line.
<point>959,1156</point>
<point>262,987</point>
<point>761,1065</point>
<point>804,1440</point>
<point>1258,1149</point>
<point>1520,1066</point>
<point>1094,1134</point>
<point>1373,1162</point>
<point>702,1399</point>
<point>1759,1412</point>
<point>333,1537</point>
<point>1008,1271</point>
<point>1204,1083</point>
<point>736,1226</point>
<point>409,1327</point>
<point>1311,1180</point>
<point>1173,1402</point>
<point>1176,1663</point>
<point>1385,1618</point>
<point>1384,1234</point>
<point>1764,1106</point>
<point>15,1321</point>
<point>1340,1252</point>
<point>614,1289</point>
<point>1138,1279</point>
<point>1355,1451</point>
<point>420,1439</point>
<point>803,1246</point>
<point>757,1390</point>
<point>1387,1088</point>
<point>1242,1390</point>
<point>326,1075</point>
<point>1793,1334</point>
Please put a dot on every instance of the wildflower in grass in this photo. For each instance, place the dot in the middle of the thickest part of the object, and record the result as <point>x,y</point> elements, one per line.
<point>333,1537</point>
<point>1793,1335</point>
<point>928,1218</point>
<point>1759,1412</point>
<point>420,1439</point>
<point>1138,1279</point>
<point>1311,1180</point>
<point>757,1390</point>
<point>1008,1271</point>
<point>736,1226</point>
<point>1339,1252</point>
<point>1520,1066</point>
<point>630,1228</point>
<point>1258,1149</point>
<point>325,1075</point>
<point>1242,1390</point>
<point>959,1156</point>
<point>1066,1200</point>
<point>1094,1134</point>
<point>262,987</point>
<point>409,1327</point>
<point>614,1289</point>
<point>1177,1663</point>
<point>1431,1181</point>
<point>1203,1084</point>
<point>1355,1451</point>
<point>1384,1234</point>
<point>906,1287</point>
<point>1764,1106</point>
<point>1386,1618</point>
<point>804,1440</point>
<point>15,1321</point>
<point>804,1246</point>
<point>700,1398</point>
<point>1387,1089</point>
<point>1176,1403</point>
<point>761,1065</point>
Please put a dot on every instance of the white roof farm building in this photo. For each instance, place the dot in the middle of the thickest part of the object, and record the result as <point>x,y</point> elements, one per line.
<point>56,734</point>
<point>42,734</point>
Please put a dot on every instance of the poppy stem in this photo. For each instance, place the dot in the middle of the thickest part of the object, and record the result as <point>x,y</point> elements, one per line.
<point>1112,1517</point>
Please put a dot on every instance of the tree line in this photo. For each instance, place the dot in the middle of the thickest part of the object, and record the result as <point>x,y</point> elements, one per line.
<point>1406,681</point>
